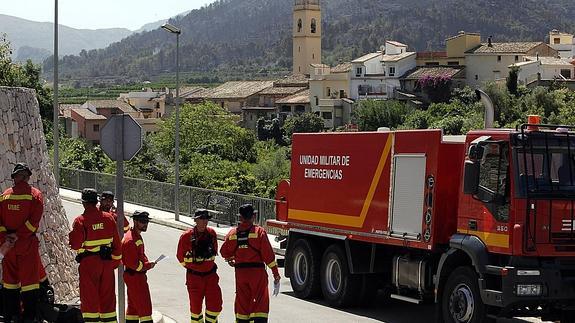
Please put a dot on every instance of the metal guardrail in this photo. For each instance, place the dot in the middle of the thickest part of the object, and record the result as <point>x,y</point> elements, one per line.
<point>160,195</point>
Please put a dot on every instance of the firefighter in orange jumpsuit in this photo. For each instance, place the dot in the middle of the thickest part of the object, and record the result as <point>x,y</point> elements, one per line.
<point>21,208</point>
<point>248,249</point>
<point>136,265</point>
<point>107,205</point>
<point>95,238</point>
<point>197,251</point>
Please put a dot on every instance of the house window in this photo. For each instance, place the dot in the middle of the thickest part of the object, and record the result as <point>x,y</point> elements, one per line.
<point>392,71</point>
<point>358,71</point>
<point>313,56</point>
<point>328,91</point>
<point>299,109</point>
<point>299,49</point>
<point>496,75</point>
<point>96,127</point>
<point>566,73</point>
<point>556,41</point>
<point>499,58</point>
<point>299,25</point>
<point>342,94</point>
<point>431,63</point>
<point>517,58</point>
<point>313,26</point>
<point>286,108</point>
<point>316,100</point>
<point>453,63</point>
<point>476,77</point>
<point>326,115</point>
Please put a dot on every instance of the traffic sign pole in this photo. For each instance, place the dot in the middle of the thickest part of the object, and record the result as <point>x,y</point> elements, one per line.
<point>121,139</point>
<point>120,210</point>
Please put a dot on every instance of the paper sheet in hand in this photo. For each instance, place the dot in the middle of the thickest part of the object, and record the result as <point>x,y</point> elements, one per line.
<point>276,289</point>
<point>160,258</point>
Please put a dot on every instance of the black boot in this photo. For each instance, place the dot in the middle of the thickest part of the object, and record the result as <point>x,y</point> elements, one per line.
<point>30,302</point>
<point>11,300</point>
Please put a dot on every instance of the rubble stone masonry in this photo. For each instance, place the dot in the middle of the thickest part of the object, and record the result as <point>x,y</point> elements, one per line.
<point>22,139</point>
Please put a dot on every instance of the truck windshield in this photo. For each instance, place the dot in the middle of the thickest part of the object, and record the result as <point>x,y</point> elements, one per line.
<point>545,165</point>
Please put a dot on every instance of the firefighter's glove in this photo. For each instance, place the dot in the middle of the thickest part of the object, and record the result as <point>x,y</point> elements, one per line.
<point>276,287</point>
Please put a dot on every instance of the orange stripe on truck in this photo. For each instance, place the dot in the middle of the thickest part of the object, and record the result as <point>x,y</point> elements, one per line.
<point>489,238</point>
<point>344,219</point>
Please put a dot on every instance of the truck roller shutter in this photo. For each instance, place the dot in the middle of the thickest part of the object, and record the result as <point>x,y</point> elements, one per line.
<point>408,196</point>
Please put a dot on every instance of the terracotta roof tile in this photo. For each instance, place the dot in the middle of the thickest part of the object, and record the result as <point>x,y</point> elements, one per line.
<point>512,47</point>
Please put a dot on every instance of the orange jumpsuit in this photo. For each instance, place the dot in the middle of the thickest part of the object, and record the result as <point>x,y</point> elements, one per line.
<point>93,232</point>
<point>21,210</point>
<point>136,264</point>
<point>252,251</point>
<point>197,253</point>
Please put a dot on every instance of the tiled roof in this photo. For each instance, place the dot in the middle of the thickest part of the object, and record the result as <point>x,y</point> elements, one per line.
<point>298,98</point>
<point>109,104</point>
<point>513,47</point>
<point>87,114</point>
<point>419,72</point>
<point>184,91</point>
<point>396,57</point>
<point>233,90</point>
<point>341,68</point>
<point>283,90</point>
<point>550,60</point>
<point>144,95</point>
<point>366,57</point>
<point>66,108</point>
<point>299,80</point>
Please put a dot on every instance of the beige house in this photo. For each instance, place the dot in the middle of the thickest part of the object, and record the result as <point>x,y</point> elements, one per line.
<point>306,35</point>
<point>564,43</point>
<point>454,54</point>
<point>328,87</point>
<point>152,104</point>
<point>490,61</point>
<point>294,104</point>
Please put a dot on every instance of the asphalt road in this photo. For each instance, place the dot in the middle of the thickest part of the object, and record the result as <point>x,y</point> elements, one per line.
<point>169,294</point>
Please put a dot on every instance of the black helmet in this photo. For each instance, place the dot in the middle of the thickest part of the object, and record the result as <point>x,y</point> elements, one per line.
<point>89,195</point>
<point>141,216</point>
<point>106,194</point>
<point>247,211</point>
<point>21,167</point>
<point>202,214</point>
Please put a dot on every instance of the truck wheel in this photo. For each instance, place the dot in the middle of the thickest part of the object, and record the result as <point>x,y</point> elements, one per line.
<point>461,301</point>
<point>305,264</point>
<point>339,287</point>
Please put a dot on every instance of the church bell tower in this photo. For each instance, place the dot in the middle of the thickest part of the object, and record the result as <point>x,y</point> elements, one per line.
<point>306,35</point>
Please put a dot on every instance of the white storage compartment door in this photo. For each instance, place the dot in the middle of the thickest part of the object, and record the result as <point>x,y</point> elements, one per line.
<point>408,195</point>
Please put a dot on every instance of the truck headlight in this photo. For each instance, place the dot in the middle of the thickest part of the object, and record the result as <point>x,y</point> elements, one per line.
<point>529,290</point>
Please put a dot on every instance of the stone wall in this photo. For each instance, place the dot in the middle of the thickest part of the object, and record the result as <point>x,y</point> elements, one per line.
<point>22,140</point>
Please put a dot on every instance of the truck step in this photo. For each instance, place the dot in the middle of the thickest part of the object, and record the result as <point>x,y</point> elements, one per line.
<point>407,299</point>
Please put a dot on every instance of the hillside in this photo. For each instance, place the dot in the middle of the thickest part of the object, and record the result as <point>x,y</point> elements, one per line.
<point>234,35</point>
<point>35,40</point>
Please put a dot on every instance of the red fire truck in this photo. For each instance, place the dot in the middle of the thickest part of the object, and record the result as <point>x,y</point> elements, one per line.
<point>481,224</point>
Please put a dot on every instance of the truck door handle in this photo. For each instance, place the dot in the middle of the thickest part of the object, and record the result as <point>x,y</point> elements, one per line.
<point>472,225</point>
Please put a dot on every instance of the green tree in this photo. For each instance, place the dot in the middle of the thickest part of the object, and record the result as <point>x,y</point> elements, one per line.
<point>27,75</point>
<point>206,129</point>
<point>271,167</point>
<point>512,79</point>
<point>372,114</point>
<point>305,122</point>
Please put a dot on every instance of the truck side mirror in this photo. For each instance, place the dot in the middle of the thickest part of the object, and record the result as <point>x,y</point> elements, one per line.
<point>471,177</point>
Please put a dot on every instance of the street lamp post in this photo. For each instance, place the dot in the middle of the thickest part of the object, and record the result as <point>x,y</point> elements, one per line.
<point>56,106</point>
<point>175,30</point>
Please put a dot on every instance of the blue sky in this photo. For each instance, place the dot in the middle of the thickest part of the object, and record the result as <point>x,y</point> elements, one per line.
<point>94,14</point>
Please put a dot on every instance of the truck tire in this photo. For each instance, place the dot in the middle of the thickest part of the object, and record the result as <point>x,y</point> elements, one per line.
<point>461,301</point>
<point>339,287</point>
<point>305,261</point>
